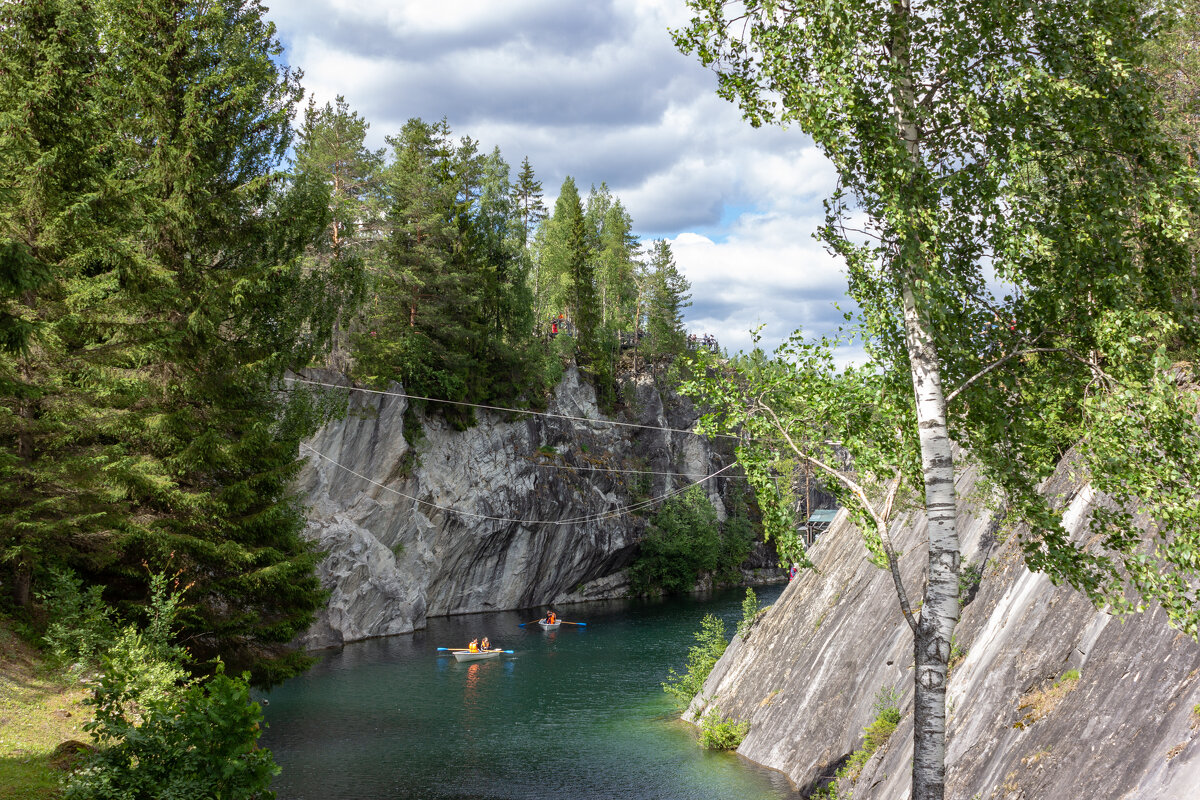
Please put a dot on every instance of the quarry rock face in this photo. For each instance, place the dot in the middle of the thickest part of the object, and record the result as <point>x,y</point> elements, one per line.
<point>516,511</point>
<point>1021,724</point>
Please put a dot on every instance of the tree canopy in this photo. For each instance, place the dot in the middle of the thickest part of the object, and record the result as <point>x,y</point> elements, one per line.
<point>1028,226</point>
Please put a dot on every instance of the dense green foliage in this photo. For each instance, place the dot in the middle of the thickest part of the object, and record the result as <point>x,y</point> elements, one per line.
<point>475,293</point>
<point>144,419</point>
<point>718,733</point>
<point>1021,274</point>
<point>684,540</point>
<point>163,734</point>
<point>1066,175</point>
<point>701,657</point>
<point>162,266</point>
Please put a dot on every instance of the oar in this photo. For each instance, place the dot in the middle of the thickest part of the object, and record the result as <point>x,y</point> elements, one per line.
<point>580,624</point>
<point>523,624</point>
<point>467,650</point>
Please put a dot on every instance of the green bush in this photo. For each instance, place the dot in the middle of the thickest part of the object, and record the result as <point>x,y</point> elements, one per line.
<point>198,740</point>
<point>737,540</point>
<point>685,540</point>
<point>700,660</point>
<point>969,576</point>
<point>81,623</point>
<point>164,735</point>
<point>750,612</point>
<point>875,735</point>
<point>717,733</point>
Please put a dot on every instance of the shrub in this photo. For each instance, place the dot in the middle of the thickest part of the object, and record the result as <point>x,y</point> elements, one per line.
<point>162,734</point>
<point>737,540</point>
<point>683,541</point>
<point>198,740</point>
<point>700,661</point>
<point>81,624</point>
<point>750,612</point>
<point>717,733</point>
<point>969,577</point>
<point>875,735</point>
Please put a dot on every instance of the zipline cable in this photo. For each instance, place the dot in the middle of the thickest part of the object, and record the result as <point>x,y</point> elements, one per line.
<point>590,468</point>
<point>508,410</point>
<point>575,520</point>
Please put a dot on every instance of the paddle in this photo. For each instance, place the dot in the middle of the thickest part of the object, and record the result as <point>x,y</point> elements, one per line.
<point>523,624</point>
<point>580,624</point>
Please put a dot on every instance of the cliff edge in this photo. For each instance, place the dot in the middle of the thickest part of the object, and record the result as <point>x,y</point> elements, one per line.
<point>1021,724</point>
<point>516,511</point>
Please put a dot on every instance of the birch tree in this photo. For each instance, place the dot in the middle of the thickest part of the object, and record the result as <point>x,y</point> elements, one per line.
<point>978,140</point>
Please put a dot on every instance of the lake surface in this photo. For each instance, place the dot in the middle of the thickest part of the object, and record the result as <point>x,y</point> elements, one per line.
<point>573,713</point>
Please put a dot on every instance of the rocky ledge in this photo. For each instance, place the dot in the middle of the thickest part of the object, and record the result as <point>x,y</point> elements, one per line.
<point>1021,725</point>
<point>514,512</point>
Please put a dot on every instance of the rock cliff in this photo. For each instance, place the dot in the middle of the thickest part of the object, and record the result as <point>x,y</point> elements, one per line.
<point>808,672</point>
<point>537,503</point>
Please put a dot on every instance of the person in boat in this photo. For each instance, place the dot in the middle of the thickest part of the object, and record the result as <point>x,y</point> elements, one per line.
<point>551,618</point>
<point>473,646</point>
<point>485,645</point>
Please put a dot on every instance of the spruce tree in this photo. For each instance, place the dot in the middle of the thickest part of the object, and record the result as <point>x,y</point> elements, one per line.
<point>52,207</point>
<point>668,297</point>
<point>527,194</point>
<point>569,268</point>
<point>159,434</point>
<point>616,264</point>
<point>410,330</point>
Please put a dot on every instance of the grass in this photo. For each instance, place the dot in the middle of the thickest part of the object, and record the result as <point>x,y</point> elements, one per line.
<point>39,710</point>
<point>1041,702</point>
<point>875,736</point>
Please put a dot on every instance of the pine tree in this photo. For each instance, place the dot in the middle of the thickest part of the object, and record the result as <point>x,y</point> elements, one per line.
<point>331,151</point>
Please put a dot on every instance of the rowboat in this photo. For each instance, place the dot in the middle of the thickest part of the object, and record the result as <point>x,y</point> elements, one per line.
<point>478,655</point>
<point>549,626</point>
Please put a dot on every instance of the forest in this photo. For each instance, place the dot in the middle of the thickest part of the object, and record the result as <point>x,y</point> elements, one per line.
<point>173,239</point>
<point>180,227</point>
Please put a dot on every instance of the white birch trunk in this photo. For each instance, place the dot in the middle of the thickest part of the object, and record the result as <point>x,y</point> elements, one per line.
<point>939,608</point>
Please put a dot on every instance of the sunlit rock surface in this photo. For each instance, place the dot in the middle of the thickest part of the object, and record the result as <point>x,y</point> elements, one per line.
<point>810,669</point>
<point>537,505</point>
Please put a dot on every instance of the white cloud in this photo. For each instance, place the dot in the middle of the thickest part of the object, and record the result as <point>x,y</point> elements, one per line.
<point>597,91</point>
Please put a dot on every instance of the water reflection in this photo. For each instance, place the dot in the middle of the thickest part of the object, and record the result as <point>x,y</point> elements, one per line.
<point>577,712</point>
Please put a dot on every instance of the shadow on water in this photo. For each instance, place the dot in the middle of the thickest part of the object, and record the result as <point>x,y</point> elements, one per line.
<point>576,712</point>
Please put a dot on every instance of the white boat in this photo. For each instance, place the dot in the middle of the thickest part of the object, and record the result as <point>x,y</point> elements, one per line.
<point>478,655</point>
<point>549,626</point>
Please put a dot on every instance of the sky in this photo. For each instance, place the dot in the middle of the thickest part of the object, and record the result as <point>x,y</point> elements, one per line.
<point>595,89</point>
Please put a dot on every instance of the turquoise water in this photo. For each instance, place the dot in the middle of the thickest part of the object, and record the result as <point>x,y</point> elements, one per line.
<point>573,713</point>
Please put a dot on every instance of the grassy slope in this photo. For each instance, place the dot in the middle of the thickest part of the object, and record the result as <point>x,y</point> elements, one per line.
<point>39,710</point>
